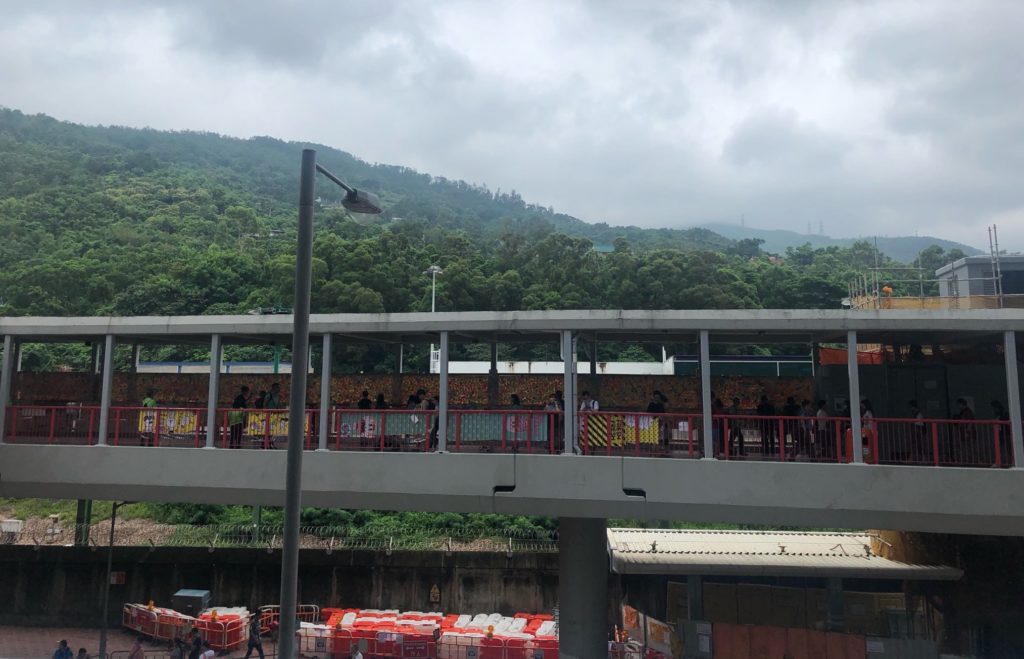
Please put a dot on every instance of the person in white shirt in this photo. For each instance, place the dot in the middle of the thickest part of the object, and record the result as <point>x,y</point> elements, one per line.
<point>208,652</point>
<point>588,404</point>
<point>356,654</point>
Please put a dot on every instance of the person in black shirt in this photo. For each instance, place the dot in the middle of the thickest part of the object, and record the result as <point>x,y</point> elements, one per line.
<point>237,417</point>
<point>381,404</point>
<point>416,400</point>
<point>364,401</point>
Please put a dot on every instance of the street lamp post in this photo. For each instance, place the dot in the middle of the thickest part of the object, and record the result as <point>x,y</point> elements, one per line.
<point>355,201</point>
<point>433,271</point>
<point>106,588</point>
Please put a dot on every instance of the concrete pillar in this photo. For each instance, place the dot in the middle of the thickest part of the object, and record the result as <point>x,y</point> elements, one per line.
<point>106,389</point>
<point>593,357</point>
<point>836,605</point>
<point>136,358</point>
<point>213,392</point>
<point>19,353</point>
<point>695,597</point>
<point>569,392</point>
<point>707,427</point>
<point>582,588</point>
<point>96,366</point>
<point>83,518</point>
<point>1013,396</point>
<point>854,374</point>
<point>442,396</point>
<point>6,377</point>
<point>325,393</point>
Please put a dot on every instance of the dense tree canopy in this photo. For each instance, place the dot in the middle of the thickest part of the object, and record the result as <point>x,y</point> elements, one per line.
<point>123,221</point>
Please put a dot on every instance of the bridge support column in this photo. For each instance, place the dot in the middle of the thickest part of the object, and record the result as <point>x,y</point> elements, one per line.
<point>6,376</point>
<point>83,518</point>
<point>442,396</point>
<point>582,588</point>
<point>836,602</point>
<point>213,393</point>
<point>853,369</point>
<point>106,389</point>
<point>1013,396</point>
<point>325,394</point>
<point>570,443</point>
<point>695,597</point>
<point>707,427</point>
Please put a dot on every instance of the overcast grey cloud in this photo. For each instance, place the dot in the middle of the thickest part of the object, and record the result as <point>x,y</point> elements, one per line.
<point>885,117</point>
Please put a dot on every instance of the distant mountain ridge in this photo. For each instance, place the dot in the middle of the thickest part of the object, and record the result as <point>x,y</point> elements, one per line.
<point>900,248</point>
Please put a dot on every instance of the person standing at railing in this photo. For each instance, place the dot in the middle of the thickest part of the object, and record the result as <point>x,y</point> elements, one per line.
<point>380,403</point>
<point>765,410</point>
<point>273,399</point>
<point>825,447</point>
<point>364,401</point>
<point>149,419</point>
<point>736,446</point>
<point>588,403</point>
<point>657,406</point>
<point>237,417</point>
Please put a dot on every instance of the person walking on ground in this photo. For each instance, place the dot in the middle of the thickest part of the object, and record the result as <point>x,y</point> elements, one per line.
<point>82,654</point>
<point>208,652</point>
<point>255,642</point>
<point>237,417</point>
<point>356,654</point>
<point>62,651</point>
<point>196,644</point>
<point>273,399</point>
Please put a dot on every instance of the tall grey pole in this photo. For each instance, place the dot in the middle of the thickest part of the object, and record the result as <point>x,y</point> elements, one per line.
<point>854,375</point>
<point>106,389</point>
<point>6,375</point>
<point>442,396</point>
<point>325,394</point>
<point>297,408</point>
<point>106,587</point>
<point>1013,396</point>
<point>707,425</point>
<point>569,393</point>
<point>213,392</point>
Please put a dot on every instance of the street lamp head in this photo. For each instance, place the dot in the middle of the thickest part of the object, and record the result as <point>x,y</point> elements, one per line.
<point>358,201</point>
<point>434,270</point>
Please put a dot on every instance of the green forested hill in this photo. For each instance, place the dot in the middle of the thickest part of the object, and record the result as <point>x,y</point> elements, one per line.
<point>126,221</point>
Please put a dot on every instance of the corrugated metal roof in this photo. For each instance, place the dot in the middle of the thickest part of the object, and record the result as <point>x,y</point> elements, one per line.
<point>759,553</point>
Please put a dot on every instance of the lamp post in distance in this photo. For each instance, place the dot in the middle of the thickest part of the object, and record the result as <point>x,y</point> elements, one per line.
<point>106,588</point>
<point>356,201</point>
<point>434,271</point>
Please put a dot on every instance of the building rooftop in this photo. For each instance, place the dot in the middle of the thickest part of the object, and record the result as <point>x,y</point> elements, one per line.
<point>763,554</point>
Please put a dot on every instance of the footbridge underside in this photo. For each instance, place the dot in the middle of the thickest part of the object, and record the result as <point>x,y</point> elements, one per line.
<point>956,500</point>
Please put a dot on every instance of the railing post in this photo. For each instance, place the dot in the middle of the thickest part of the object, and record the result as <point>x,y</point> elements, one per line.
<point>213,392</point>
<point>1013,396</point>
<point>782,440</point>
<point>325,393</point>
<point>156,428</point>
<point>852,367</point>
<point>442,396</point>
<point>53,423</point>
<point>458,432</point>
<point>106,389</point>
<point>6,375</point>
<point>707,426</point>
<point>935,443</point>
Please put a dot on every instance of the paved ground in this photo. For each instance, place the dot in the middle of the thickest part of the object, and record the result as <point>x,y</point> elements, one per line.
<point>40,642</point>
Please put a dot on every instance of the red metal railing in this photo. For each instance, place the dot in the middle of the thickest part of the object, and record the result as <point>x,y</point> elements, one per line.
<point>933,442</point>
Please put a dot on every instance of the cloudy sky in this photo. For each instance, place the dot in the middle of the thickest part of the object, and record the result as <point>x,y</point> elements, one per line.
<point>883,117</point>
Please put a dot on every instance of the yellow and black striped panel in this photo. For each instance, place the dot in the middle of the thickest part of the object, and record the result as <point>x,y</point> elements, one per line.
<point>621,429</point>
